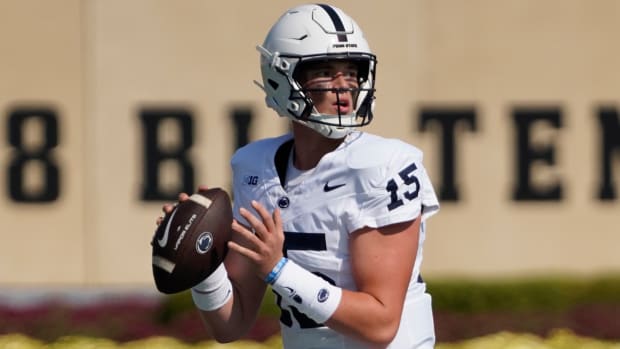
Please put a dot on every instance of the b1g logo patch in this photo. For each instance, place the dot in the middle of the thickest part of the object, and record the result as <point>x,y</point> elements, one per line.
<point>250,180</point>
<point>204,242</point>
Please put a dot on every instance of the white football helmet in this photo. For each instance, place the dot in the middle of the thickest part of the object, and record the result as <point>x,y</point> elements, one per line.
<point>311,33</point>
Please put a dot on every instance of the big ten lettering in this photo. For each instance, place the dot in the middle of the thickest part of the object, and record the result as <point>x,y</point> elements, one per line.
<point>38,159</point>
<point>22,157</point>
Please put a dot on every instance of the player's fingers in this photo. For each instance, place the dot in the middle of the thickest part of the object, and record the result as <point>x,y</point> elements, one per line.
<point>244,251</point>
<point>167,208</point>
<point>255,223</point>
<point>247,235</point>
<point>250,242</point>
<point>203,187</point>
<point>159,220</point>
<point>183,197</point>
<point>265,216</point>
<point>277,221</point>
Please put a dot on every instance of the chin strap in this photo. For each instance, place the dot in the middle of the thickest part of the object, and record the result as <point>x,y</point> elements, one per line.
<point>325,130</point>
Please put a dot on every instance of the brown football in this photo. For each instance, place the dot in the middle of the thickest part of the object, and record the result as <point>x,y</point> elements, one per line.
<point>191,241</point>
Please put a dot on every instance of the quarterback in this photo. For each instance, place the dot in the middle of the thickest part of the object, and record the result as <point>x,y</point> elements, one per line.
<point>332,219</point>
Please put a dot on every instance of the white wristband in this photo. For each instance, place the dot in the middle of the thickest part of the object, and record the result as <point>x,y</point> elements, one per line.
<point>214,291</point>
<point>309,293</point>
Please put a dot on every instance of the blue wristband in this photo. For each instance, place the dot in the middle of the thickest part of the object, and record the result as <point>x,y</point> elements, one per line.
<point>275,272</point>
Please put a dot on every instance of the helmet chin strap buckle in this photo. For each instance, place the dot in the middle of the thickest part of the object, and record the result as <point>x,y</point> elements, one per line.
<point>293,106</point>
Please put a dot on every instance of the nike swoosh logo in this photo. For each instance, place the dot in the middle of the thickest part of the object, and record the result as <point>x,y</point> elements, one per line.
<point>327,188</point>
<point>164,239</point>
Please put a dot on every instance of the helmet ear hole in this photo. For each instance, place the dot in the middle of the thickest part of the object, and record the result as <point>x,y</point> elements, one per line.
<point>274,85</point>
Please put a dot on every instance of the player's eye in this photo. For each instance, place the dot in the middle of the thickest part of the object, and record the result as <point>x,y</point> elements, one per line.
<point>350,73</point>
<point>322,73</point>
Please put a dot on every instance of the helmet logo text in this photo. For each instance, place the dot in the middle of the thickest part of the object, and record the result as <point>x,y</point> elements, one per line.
<point>344,45</point>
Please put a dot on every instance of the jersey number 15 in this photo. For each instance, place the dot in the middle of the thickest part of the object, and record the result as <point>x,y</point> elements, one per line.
<point>408,178</point>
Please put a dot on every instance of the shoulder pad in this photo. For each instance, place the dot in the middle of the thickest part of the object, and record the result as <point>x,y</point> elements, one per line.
<point>251,152</point>
<point>373,151</point>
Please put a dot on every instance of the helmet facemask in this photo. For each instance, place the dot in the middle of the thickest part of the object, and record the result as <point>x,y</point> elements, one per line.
<point>359,92</point>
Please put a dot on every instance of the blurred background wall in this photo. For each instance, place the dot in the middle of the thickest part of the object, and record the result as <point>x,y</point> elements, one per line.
<point>109,108</point>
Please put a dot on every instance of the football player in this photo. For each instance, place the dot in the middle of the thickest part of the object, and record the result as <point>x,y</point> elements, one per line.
<point>331,218</point>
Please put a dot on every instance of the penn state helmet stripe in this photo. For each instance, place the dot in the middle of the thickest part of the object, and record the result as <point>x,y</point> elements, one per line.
<point>338,25</point>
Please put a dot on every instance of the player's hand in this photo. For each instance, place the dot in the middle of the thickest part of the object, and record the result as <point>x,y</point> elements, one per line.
<point>167,208</point>
<point>262,242</point>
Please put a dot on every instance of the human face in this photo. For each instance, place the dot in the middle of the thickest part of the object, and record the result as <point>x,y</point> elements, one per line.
<point>332,86</point>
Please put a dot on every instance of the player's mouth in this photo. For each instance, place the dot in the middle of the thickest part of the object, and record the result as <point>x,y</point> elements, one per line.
<point>342,106</point>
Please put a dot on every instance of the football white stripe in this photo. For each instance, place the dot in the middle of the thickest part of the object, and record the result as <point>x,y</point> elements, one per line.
<point>163,263</point>
<point>199,199</point>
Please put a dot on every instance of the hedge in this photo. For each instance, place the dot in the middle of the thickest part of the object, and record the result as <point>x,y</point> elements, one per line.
<point>463,309</point>
<point>475,296</point>
<point>540,293</point>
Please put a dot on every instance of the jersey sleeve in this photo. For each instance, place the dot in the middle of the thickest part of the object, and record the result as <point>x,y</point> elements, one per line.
<point>239,194</point>
<point>398,192</point>
<point>241,177</point>
<point>250,167</point>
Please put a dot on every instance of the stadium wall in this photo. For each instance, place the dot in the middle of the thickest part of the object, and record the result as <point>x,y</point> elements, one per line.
<point>109,108</point>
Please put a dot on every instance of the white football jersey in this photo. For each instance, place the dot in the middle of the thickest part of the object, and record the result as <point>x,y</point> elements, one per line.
<point>368,181</point>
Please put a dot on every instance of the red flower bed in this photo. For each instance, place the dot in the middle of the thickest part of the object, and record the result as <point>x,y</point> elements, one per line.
<point>600,321</point>
<point>122,320</point>
<point>132,319</point>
